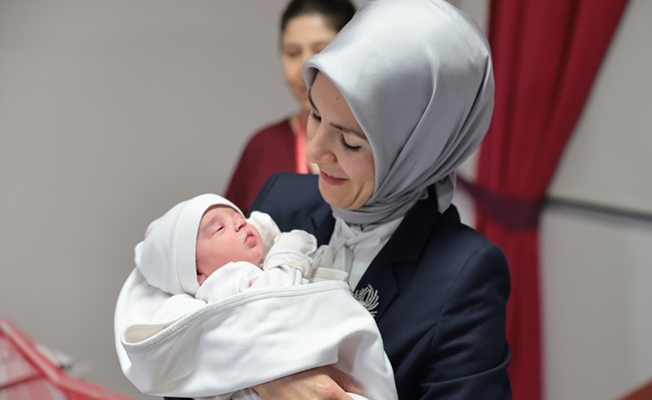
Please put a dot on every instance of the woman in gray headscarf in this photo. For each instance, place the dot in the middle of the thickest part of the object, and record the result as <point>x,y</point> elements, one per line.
<point>400,98</point>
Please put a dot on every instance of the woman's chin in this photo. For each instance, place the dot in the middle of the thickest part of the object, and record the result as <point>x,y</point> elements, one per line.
<point>333,195</point>
<point>327,194</point>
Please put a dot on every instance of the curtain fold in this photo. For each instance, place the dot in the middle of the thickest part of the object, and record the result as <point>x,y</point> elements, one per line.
<point>546,56</point>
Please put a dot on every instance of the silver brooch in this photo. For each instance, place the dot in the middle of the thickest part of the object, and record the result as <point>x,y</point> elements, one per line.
<point>368,297</point>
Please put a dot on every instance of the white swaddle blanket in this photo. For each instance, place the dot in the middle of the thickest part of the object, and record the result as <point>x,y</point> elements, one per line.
<point>244,325</point>
<point>247,339</point>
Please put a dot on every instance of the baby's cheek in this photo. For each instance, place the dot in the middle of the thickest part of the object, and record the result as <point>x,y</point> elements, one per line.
<point>254,255</point>
<point>260,250</point>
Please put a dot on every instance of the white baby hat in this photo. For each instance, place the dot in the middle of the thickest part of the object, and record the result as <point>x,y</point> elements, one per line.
<point>167,255</point>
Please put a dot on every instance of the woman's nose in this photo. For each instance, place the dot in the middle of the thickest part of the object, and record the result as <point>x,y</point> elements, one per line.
<point>318,149</point>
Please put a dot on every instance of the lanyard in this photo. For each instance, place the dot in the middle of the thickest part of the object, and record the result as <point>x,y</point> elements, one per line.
<point>301,166</point>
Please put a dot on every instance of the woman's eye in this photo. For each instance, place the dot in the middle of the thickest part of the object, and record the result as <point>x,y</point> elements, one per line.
<point>348,146</point>
<point>315,116</point>
<point>292,54</point>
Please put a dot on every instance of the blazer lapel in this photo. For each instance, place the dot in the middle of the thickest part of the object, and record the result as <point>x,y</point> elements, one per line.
<point>396,263</point>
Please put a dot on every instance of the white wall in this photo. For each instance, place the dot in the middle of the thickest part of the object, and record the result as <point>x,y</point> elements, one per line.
<point>112,111</point>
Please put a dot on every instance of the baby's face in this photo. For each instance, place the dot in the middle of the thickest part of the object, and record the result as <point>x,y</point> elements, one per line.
<point>225,236</point>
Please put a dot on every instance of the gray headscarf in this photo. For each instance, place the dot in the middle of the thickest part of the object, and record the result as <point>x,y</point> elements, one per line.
<point>417,75</point>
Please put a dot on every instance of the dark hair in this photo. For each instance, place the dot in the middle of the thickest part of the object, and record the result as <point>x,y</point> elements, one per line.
<point>336,12</point>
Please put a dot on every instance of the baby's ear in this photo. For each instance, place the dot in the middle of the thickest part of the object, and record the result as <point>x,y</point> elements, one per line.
<point>200,277</point>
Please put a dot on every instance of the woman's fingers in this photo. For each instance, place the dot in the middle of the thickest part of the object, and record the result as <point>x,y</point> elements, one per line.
<point>342,380</point>
<point>321,383</point>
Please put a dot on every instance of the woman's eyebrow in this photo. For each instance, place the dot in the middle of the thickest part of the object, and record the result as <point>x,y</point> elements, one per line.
<point>339,127</point>
<point>353,132</point>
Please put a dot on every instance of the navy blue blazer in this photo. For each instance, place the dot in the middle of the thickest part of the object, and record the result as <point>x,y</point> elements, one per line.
<point>442,288</point>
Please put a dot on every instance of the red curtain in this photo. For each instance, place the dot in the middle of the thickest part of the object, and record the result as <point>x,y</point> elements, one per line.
<point>546,56</point>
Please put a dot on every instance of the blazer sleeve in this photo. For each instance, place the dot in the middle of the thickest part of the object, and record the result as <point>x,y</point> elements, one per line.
<point>469,355</point>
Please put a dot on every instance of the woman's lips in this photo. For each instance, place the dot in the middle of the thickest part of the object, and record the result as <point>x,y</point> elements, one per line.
<point>331,180</point>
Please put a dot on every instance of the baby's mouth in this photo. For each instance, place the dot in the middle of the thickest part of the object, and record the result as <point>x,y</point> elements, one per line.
<point>249,237</point>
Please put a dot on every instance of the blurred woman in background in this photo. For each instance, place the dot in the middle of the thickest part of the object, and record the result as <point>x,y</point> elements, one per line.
<point>307,26</point>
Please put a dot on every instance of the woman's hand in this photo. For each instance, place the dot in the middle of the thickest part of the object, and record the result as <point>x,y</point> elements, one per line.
<point>325,383</point>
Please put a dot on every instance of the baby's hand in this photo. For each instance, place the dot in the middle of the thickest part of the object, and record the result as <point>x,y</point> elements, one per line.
<point>292,248</point>
<point>296,241</point>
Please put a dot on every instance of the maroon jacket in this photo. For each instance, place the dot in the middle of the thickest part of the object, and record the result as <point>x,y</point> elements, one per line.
<point>269,150</point>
